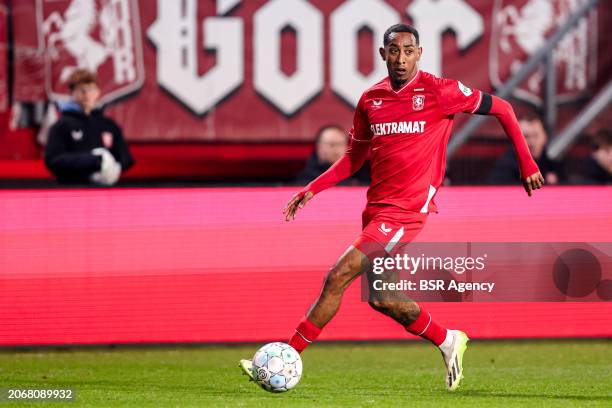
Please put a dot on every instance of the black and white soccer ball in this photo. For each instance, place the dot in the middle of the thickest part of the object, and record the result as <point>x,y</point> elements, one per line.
<point>277,367</point>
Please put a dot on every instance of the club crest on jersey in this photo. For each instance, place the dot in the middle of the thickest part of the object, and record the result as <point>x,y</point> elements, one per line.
<point>418,102</point>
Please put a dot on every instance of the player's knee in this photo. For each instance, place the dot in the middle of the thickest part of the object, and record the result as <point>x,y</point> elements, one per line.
<point>338,278</point>
<point>334,280</point>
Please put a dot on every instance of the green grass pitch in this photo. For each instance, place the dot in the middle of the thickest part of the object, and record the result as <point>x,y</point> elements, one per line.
<point>508,373</point>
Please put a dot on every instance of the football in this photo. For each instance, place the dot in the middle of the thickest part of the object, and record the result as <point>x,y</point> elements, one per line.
<point>277,367</point>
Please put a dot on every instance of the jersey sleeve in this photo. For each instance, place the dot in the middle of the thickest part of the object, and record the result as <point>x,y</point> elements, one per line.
<point>361,130</point>
<point>455,97</point>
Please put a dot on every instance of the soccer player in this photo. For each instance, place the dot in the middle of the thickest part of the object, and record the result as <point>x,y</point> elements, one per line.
<point>403,122</point>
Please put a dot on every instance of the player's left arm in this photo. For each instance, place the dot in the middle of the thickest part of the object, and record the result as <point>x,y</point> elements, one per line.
<point>502,110</point>
<point>348,164</point>
<point>455,97</point>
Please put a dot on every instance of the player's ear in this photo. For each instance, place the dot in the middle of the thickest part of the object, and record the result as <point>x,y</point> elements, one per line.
<point>420,53</point>
<point>382,53</point>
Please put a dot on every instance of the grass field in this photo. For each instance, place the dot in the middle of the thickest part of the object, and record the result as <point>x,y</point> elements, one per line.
<point>534,373</point>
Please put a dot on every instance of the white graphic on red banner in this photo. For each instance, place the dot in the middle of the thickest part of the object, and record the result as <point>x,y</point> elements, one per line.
<point>102,36</point>
<point>433,18</point>
<point>174,33</point>
<point>520,28</point>
<point>218,70</point>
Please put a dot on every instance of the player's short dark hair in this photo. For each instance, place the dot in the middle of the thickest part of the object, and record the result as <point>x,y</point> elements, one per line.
<point>334,126</point>
<point>400,28</point>
<point>80,77</point>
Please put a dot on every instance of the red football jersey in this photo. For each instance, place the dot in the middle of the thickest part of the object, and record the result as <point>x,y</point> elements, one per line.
<point>408,131</point>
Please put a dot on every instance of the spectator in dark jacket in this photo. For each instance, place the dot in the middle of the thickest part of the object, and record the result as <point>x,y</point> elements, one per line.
<point>85,146</point>
<point>597,167</point>
<point>330,144</point>
<point>505,170</point>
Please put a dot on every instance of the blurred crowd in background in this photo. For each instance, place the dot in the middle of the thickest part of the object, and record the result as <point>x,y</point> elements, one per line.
<point>272,102</point>
<point>592,165</point>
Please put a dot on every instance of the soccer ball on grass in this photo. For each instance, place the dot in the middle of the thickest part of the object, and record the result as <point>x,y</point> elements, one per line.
<point>277,367</point>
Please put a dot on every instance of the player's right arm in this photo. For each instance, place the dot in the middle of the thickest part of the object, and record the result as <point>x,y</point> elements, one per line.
<point>351,161</point>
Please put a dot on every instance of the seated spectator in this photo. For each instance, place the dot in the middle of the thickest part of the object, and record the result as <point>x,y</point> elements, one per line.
<point>84,146</point>
<point>597,168</point>
<point>330,144</point>
<point>506,170</point>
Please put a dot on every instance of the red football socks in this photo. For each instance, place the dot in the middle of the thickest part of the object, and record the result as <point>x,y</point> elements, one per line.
<point>425,327</point>
<point>305,333</point>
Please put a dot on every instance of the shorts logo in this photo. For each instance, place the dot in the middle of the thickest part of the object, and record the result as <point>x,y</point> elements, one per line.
<point>384,229</point>
<point>418,102</point>
<point>102,36</point>
<point>520,27</point>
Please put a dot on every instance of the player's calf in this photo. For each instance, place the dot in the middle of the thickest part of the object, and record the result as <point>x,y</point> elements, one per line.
<point>403,312</point>
<point>349,266</point>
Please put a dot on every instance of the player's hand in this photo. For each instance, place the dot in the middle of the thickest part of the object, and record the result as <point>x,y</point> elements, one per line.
<point>533,182</point>
<point>298,201</point>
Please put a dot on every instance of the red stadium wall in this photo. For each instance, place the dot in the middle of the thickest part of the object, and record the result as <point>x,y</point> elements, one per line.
<point>4,99</point>
<point>263,83</point>
<point>221,121</point>
<point>221,265</point>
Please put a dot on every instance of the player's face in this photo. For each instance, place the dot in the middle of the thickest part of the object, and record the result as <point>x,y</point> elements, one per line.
<point>86,95</point>
<point>401,55</point>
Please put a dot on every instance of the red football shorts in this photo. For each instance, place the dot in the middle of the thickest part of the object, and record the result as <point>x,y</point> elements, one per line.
<point>386,230</point>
